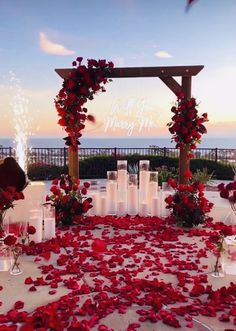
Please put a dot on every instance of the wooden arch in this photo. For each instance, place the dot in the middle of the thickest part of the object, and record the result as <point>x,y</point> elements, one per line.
<point>166,75</point>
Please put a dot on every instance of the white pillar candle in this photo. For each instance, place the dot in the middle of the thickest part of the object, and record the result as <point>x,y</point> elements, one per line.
<point>121,208</point>
<point>155,207</point>
<point>144,177</point>
<point>152,190</point>
<point>49,228</point>
<point>93,210</point>
<point>112,197</point>
<point>122,180</point>
<point>152,193</point>
<point>132,206</point>
<point>36,220</point>
<point>143,209</point>
<point>103,206</point>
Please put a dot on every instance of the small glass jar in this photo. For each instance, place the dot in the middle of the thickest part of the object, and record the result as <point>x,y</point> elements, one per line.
<point>132,205</point>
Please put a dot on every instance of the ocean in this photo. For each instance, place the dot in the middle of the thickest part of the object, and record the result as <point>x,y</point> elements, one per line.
<point>121,142</point>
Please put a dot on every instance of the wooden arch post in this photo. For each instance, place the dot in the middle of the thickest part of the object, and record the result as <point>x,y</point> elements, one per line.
<point>166,74</point>
<point>73,162</point>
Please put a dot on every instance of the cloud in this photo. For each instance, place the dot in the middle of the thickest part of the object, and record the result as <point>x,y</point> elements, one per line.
<point>163,54</point>
<point>52,48</point>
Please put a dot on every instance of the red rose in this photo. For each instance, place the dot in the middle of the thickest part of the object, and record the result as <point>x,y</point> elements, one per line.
<point>84,191</point>
<point>188,174</point>
<point>86,184</point>
<point>65,199</point>
<point>169,199</point>
<point>19,195</point>
<point>10,240</point>
<point>55,181</point>
<point>224,194</point>
<point>55,190</point>
<point>75,187</point>
<point>230,186</point>
<point>31,229</point>
<point>221,186</point>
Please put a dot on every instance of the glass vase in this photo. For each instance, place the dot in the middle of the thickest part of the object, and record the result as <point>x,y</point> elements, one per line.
<point>4,257</point>
<point>2,226</point>
<point>15,268</point>
<point>217,268</point>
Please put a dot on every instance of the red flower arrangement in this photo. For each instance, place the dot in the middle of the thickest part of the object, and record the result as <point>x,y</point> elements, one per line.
<point>68,198</point>
<point>83,83</point>
<point>16,249</point>
<point>229,192</point>
<point>7,197</point>
<point>186,125</point>
<point>188,205</point>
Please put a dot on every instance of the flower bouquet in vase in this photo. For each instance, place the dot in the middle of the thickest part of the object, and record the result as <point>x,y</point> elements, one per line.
<point>13,248</point>
<point>228,192</point>
<point>188,205</point>
<point>7,197</point>
<point>69,199</point>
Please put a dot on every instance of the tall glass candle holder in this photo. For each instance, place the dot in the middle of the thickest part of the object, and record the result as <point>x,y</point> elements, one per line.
<point>229,260</point>
<point>121,165</point>
<point>36,219</point>
<point>122,181</point>
<point>144,165</point>
<point>93,193</point>
<point>102,202</point>
<point>152,188</point>
<point>112,192</point>
<point>144,178</point>
<point>153,185</point>
<point>132,207</point>
<point>49,222</point>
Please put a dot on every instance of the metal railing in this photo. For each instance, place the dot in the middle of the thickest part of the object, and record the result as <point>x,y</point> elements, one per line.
<point>59,156</point>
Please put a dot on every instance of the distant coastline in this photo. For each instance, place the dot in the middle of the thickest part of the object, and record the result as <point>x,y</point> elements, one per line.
<point>121,142</point>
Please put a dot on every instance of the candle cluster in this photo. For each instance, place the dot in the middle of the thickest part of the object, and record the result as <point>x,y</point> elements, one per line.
<point>31,211</point>
<point>43,219</point>
<point>132,194</point>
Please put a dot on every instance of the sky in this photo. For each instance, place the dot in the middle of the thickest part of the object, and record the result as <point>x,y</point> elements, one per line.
<point>38,36</point>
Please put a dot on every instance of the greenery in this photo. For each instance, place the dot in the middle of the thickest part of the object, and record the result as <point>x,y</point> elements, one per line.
<point>202,176</point>
<point>164,173</point>
<point>45,171</point>
<point>97,167</point>
<point>133,168</point>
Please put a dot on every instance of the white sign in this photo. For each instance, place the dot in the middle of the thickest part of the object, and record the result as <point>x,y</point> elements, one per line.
<point>132,115</point>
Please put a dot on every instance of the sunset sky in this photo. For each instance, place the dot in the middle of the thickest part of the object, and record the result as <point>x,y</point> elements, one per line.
<point>38,36</point>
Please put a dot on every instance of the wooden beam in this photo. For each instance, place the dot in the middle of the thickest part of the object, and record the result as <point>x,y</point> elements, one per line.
<point>172,84</point>
<point>184,162</point>
<point>186,86</point>
<point>131,72</point>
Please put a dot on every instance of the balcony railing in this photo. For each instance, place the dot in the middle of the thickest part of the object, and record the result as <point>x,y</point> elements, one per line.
<point>59,156</point>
